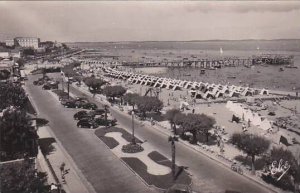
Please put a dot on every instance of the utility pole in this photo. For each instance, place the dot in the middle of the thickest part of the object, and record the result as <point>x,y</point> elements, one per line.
<point>132,116</point>
<point>173,140</point>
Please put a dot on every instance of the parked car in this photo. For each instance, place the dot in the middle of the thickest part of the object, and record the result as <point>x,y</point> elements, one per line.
<point>91,106</point>
<point>83,115</point>
<point>103,122</point>
<point>98,112</point>
<point>70,104</point>
<point>80,103</point>
<point>179,188</point>
<point>79,114</point>
<point>85,123</point>
<point>46,86</point>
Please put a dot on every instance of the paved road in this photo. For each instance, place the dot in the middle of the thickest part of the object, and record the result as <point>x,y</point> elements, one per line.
<point>98,164</point>
<point>207,175</point>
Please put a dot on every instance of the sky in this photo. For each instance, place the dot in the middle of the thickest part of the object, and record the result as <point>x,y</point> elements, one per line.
<point>91,21</point>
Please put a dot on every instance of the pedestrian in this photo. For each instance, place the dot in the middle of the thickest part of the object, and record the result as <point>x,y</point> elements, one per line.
<point>193,111</point>
<point>62,168</point>
<point>244,127</point>
<point>249,123</point>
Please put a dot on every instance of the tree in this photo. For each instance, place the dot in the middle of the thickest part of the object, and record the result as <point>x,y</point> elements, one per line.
<point>276,154</point>
<point>94,84</point>
<point>206,124</point>
<point>131,98</point>
<point>12,95</point>
<point>198,123</point>
<point>28,51</point>
<point>170,116</point>
<point>114,91</point>
<point>4,74</point>
<point>21,177</point>
<point>252,145</point>
<point>148,104</point>
<point>18,136</point>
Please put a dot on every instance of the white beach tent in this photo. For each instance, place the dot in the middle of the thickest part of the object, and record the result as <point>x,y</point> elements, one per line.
<point>265,125</point>
<point>256,119</point>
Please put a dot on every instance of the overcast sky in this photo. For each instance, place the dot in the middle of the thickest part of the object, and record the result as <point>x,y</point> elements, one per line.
<point>146,21</point>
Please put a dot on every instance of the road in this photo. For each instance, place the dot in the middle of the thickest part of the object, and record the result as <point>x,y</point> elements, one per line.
<point>208,176</point>
<point>98,164</point>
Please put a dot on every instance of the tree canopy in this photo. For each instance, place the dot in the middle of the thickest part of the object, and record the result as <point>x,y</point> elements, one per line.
<point>114,91</point>
<point>18,136</point>
<point>148,104</point>
<point>170,116</point>
<point>251,144</point>
<point>21,177</point>
<point>12,95</point>
<point>131,98</point>
<point>94,84</point>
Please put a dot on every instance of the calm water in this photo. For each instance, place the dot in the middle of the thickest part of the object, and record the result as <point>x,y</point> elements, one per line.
<point>262,77</point>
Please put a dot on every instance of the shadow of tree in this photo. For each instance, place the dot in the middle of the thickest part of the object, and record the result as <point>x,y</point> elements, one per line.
<point>46,145</point>
<point>246,160</point>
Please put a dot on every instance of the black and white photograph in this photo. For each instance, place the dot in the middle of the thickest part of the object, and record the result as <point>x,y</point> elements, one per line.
<point>150,96</point>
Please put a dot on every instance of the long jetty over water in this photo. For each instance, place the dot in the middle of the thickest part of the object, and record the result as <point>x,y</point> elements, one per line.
<point>206,63</point>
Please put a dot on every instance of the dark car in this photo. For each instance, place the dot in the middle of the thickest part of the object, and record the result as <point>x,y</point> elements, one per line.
<point>79,114</point>
<point>91,106</point>
<point>81,103</point>
<point>46,87</point>
<point>98,112</point>
<point>103,122</point>
<point>179,188</point>
<point>63,97</point>
<point>85,123</point>
<point>83,115</point>
<point>70,104</point>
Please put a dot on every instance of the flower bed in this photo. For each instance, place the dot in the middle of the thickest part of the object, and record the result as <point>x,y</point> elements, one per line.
<point>132,148</point>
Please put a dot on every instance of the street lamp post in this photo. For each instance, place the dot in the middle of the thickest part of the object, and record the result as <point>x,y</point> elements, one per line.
<point>132,118</point>
<point>106,123</point>
<point>173,139</point>
<point>68,87</point>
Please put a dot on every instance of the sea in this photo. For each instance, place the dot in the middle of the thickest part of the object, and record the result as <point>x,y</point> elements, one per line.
<point>269,77</point>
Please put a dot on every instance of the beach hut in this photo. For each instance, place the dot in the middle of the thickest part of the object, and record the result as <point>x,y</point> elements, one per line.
<point>264,92</point>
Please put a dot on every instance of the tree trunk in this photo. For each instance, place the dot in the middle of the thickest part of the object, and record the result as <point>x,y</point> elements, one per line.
<point>207,134</point>
<point>194,140</point>
<point>253,167</point>
<point>175,129</point>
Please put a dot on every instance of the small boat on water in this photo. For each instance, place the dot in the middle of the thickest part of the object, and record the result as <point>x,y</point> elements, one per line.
<point>221,51</point>
<point>281,69</point>
<point>231,77</point>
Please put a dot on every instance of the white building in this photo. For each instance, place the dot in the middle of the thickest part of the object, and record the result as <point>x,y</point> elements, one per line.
<point>28,42</point>
<point>10,43</point>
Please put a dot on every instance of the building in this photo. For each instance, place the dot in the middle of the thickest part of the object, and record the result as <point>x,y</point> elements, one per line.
<point>10,43</point>
<point>28,42</point>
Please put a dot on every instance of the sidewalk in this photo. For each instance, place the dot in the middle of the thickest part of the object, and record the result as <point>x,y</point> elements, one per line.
<point>58,156</point>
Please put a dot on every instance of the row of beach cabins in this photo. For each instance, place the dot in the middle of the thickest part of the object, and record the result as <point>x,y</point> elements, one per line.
<point>196,89</point>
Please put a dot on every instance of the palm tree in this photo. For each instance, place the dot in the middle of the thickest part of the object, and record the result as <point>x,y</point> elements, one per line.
<point>170,116</point>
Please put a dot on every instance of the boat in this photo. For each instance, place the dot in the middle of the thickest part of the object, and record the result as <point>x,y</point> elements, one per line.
<point>231,77</point>
<point>221,51</point>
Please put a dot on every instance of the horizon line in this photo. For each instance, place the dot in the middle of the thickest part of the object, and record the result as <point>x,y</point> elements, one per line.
<point>181,40</point>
